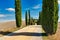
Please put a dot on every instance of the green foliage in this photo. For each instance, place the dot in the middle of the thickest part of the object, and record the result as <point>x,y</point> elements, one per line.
<point>29,16</point>
<point>26,18</point>
<point>50,16</point>
<point>39,22</point>
<point>32,21</point>
<point>18,12</point>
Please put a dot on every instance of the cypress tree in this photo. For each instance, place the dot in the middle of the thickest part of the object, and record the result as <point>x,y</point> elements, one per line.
<point>29,16</point>
<point>40,19</point>
<point>26,18</point>
<point>18,12</point>
<point>38,22</point>
<point>50,16</point>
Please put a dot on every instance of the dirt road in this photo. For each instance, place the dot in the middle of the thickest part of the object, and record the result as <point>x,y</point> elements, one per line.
<point>32,32</point>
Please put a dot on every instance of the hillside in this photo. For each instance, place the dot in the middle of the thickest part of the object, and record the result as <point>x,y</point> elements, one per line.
<point>6,26</point>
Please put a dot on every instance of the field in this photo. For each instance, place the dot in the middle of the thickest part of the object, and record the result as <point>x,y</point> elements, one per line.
<point>8,27</point>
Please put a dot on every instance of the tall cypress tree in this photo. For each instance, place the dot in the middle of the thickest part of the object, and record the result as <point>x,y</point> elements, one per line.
<point>18,12</point>
<point>50,16</point>
<point>40,19</point>
<point>38,22</point>
<point>26,18</point>
<point>29,16</point>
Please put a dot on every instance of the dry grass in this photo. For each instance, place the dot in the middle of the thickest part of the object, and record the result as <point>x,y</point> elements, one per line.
<point>53,37</point>
<point>57,35</point>
<point>8,27</point>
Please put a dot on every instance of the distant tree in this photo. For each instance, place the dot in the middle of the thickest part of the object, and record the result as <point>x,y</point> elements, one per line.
<point>31,21</point>
<point>18,12</point>
<point>39,22</point>
<point>29,16</point>
<point>26,18</point>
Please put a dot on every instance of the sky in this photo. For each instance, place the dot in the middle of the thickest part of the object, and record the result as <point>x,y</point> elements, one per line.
<point>7,9</point>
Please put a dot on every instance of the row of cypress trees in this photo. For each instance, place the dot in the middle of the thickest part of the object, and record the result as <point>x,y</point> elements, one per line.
<point>48,17</point>
<point>27,17</point>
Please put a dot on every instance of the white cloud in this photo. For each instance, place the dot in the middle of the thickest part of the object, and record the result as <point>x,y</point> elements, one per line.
<point>59,16</point>
<point>2,21</point>
<point>59,11</point>
<point>11,9</point>
<point>1,15</point>
<point>59,20</point>
<point>58,1</point>
<point>37,6</point>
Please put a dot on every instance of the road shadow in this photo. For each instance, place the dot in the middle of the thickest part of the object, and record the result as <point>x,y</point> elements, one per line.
<point>28,34</point>
<point>4,33</point>
<point>23,34</point>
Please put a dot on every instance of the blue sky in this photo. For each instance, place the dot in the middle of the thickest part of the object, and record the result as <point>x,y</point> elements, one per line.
<point>7,9</point>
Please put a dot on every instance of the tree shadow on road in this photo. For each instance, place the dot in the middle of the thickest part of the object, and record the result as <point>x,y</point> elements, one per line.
<point>4,33</point>
<point>23,34</point>
<point>27,34</point>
